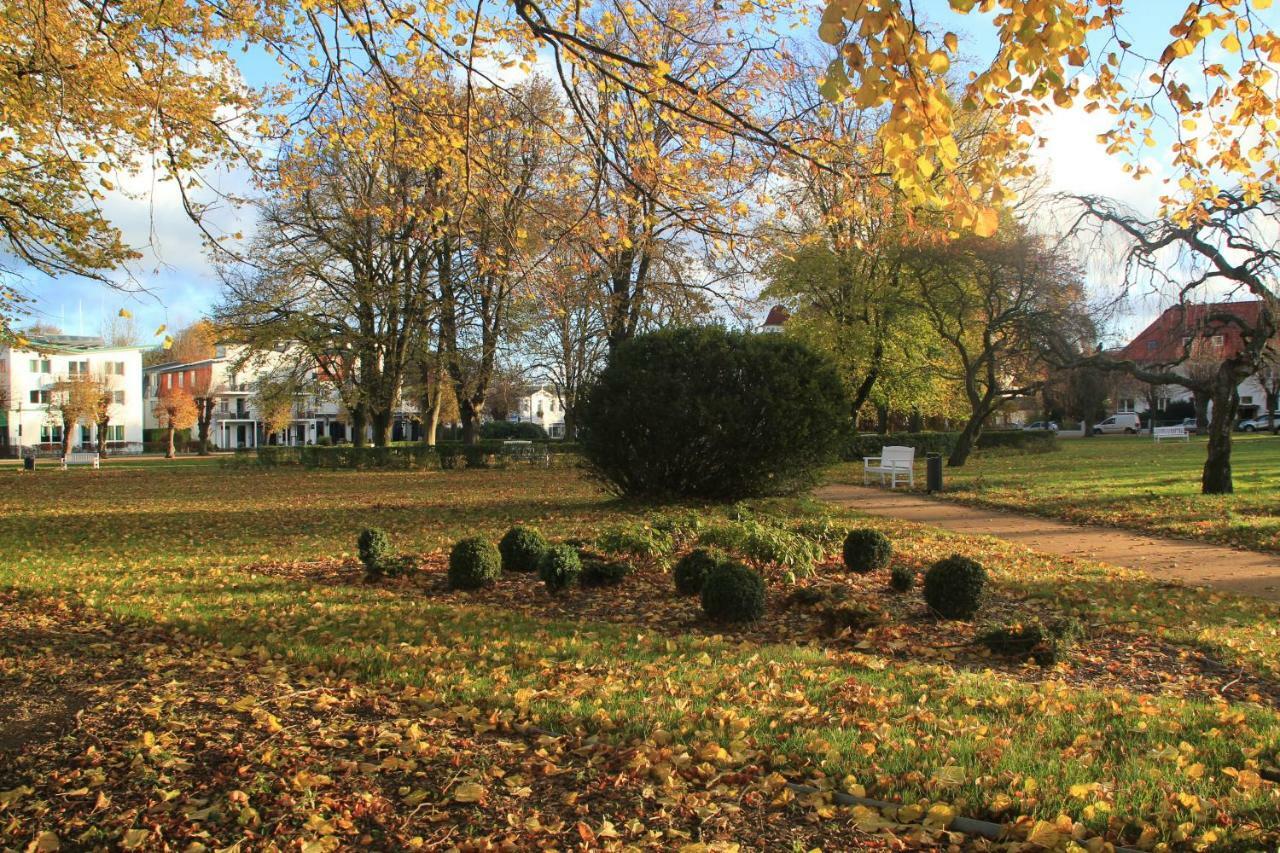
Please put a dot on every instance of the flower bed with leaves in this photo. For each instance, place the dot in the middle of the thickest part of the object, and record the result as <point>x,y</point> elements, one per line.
<point>1167,683</point>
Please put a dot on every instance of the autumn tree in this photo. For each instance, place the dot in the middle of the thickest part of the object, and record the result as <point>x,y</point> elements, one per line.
<point>72,400</point>
<point>205,393</point>
<point>104,399</point>
<point>174,410</point>
<point>1223,244</point>
<point>1268,376</point>
<point>1001,305</point>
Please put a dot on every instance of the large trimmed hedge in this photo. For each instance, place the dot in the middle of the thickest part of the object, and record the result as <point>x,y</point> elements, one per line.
<point>855,447</point>
<point>709,413</point>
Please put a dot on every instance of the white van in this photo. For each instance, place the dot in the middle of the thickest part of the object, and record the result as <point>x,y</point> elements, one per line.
<point>1126,422</point>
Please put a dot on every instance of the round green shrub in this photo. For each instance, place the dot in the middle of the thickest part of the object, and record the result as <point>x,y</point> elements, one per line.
<point>902,578</point>
<point>866,550</point>
<point>953,587</point>
<point>374,546</point>
<point>559,567</point>
<point>521,549</point>
<point>755,415</point>
<point>691,570</point>
<point>599,572</point>
<point>732,592</point>
<point>473,563</point>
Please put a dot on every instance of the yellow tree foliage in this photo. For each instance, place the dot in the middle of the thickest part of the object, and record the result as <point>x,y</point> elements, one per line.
<point>1213,83</point>
<point>175,409</point>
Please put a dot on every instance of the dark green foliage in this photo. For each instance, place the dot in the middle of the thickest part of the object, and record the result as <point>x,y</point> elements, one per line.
<point>474,562</point>
<point>1045,644</point>
<point>374,546</point>
<point>398,566</point>
<point>705,412</point>
<point>559,567</point>
<point>731,592</point>
<point>521,549</point>
<point>855,447</point>
<point>600,572</point>
<point>866,550</point>
<point>691,570</point>
<point>902,578</point>
<point>523,430</point>
<point>953,587</point>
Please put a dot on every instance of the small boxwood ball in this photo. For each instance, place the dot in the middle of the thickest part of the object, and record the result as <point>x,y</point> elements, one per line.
<point>473,563</point>
<point>598,572</point>
<point>866,550</point>
<point>521,549</point>
<point>560,567</point>
<point>374,546</point>
<point>731,592</point>
<point>691,569</point>
<point>902,578</point>
<point>953,587</point>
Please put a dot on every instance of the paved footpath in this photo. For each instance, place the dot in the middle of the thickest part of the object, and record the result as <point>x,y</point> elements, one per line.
<point>1218,566</point>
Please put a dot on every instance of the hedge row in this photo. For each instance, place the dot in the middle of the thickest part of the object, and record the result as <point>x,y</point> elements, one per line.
<point>870,444</point>
<point>398,456</point>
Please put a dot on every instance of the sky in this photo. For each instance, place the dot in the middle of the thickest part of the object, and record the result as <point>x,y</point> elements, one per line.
<point>175,283</point>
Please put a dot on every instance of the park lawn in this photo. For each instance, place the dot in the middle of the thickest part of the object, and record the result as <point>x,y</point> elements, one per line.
<point>1130,481</point>
<point>902,713</point>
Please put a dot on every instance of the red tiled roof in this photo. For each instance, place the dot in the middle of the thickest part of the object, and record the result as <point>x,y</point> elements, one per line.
<point>777,316</point>
<point>1163,341</point>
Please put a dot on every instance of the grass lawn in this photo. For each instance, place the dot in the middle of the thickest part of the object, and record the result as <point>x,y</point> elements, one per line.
<point>1130,481</point>
<point>237,681</point>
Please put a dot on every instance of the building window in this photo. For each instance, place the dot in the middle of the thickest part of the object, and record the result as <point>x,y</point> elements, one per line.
<point>1216,342</point>
<point>223,407</point>
<point>41,365</point>
<point>1126,404</point>
<point>1151,345</point>
<point>40,397</point>
<point>115,432</point>
<point>118,396</point>
<point>1246,400</point>
<point>115,368</point>
<point>180,379</point>
<point>77,368</point>
<point>50,434</point>
<point>1161,403</point>
<point>85,437</point>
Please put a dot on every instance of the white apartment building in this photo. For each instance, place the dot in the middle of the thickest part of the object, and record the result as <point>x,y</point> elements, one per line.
<point>543,407</point>
<point>232,379</point>
<point>28,374</point>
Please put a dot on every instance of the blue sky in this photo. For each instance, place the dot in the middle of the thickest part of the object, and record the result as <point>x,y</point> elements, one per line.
<point>174,283</point>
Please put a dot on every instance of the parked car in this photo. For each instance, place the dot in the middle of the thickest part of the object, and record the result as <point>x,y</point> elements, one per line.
<point>1041,426</point>
<point>1256,424</point>
<point>1189,424</point>
<point>1126,422</point>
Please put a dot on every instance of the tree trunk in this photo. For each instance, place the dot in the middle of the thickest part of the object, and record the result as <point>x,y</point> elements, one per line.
<point>66,438</point>
<point>882,419</point>
<point>1272,423</point>
<point>916,421</point>
<point>966,441</point>
<point>470,413</point>
<point>102,438</point>
<point>170,452</point>
<point>1201,402</point>
<point>357,426</point>
<point>381,421</point>
<point>570,423</point>
<point>206,416</point>
<point>1216,479</point>
<point>433,418</point>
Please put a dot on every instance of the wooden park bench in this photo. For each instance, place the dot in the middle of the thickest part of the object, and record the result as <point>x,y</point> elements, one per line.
<point>1161,433</point>
<point>526,451</point>
<point>893,462</point>
<point>77,457</point>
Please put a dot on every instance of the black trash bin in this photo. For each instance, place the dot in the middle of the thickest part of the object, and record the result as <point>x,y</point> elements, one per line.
<point>29,463</point>
<point>933,472</point>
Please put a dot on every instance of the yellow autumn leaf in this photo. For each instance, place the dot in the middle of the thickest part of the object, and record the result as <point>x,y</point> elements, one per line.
<point>468,792</point>
<point>987,222</point>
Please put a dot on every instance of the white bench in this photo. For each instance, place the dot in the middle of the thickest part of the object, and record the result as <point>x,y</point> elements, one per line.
<point>79,458</point>
<point>1179,431</point>
<point>894,462</point>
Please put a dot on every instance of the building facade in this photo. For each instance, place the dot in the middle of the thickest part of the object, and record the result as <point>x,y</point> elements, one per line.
<point>541,406</point>
<point>29,374</point>
<point>1166,342</point>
